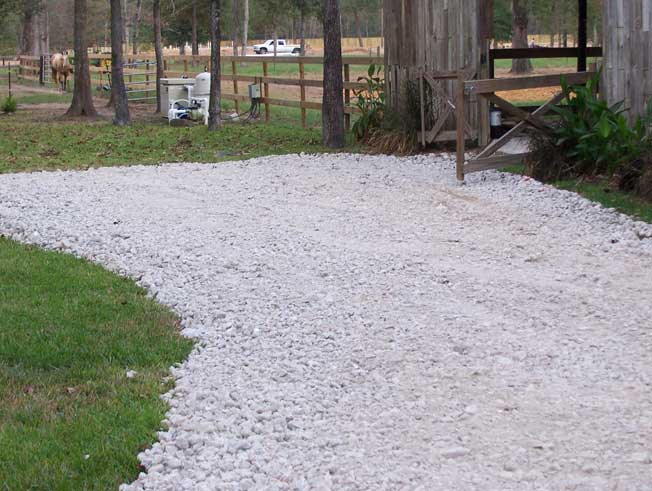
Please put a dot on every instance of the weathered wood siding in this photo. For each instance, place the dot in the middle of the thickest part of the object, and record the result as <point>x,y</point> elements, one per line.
<point>431,35</point>
<point>627,72</point>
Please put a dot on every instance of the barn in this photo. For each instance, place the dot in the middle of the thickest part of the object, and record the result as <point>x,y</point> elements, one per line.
<point>440,41</point>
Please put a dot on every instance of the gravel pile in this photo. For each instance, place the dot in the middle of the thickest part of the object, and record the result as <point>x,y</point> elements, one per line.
<point>364,323</point>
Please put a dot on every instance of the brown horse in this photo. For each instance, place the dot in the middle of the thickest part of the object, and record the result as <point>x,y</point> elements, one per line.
<point>61,70</point>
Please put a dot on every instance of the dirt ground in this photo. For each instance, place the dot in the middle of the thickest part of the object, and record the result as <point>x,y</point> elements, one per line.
<point>531,95</point>
<point>54,111</point>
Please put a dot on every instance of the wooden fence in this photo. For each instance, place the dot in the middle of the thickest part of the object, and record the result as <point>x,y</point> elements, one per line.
<point>7,74</point>
<point>140,77</point>
<point>488,90</point>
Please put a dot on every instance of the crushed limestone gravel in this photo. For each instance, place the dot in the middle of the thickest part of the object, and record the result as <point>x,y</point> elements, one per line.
<point>364,323</point>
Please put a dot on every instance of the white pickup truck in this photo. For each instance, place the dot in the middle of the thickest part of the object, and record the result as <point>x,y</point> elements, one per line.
<point>281,48</point>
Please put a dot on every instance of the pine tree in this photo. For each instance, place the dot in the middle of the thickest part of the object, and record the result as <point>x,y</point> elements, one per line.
<point>82,98</point>
<point>333,99</point>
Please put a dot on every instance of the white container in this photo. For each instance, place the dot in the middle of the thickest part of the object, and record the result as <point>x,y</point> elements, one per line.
<point>496,117</point>
<point>202,85</point>
<point>174,89</point>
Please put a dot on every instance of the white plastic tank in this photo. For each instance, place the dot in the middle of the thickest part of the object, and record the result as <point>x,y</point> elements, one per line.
<point>202,85</point>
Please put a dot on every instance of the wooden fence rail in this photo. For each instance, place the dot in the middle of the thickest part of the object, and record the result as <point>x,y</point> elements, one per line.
<point>140,77</point>
<point>487,90</point>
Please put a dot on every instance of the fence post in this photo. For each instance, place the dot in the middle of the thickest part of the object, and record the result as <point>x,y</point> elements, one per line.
<point>347,96</point>
<point>185,66</point>
<point>460,124</point>
<point>9,64</point>
<point>41,70</point>
<point>266,92</point>
<point>129,63</point>
<point>147,67</point>
<point>302,77</point>
<point>234,70</point>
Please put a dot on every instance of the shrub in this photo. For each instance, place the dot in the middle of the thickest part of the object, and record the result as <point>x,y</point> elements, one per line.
<point>371,103</point>
<point>9,105</point>
<point>595,137</point>
<point>381,129</point>
<point>547,161</point>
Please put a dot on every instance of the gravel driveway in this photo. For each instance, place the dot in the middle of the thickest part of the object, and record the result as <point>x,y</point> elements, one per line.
<point>364,323</point>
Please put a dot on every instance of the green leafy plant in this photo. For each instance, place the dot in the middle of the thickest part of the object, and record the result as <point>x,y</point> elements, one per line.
<point>594,136</point>
<point>370,101</point>
<point>9,105</point>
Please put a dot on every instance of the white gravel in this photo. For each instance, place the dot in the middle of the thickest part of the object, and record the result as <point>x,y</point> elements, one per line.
<point>364,323</point>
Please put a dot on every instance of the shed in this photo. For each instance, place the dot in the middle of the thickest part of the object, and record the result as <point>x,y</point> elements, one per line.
<point>444,36</point>
<point>434,36</point>
<point>627,64</point>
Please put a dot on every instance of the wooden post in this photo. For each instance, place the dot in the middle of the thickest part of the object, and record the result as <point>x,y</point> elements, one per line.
<point>165,65</point>
<point>266,92</point>
<point>9,74</point>
<point>234,71</point>
<point>347,96</point>
<point>185,66</point>
<point>302,77</point>
<point>581,35</point>
<point>460,124</point>
<point>147,74</point>
<point>422,105</point>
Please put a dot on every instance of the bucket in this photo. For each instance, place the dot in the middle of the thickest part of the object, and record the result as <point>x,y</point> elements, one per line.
<point>496,121</point>
<point>496,117</point>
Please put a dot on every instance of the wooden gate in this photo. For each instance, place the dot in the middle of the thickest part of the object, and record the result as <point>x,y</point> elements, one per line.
<point>488,158</point>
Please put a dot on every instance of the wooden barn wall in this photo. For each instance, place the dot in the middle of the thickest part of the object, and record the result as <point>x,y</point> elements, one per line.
<point>627,71</point>
<point>432,35</point>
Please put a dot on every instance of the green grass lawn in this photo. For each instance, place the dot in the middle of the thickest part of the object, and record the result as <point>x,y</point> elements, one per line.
<point>600,192</point>
<point>626,203</point>
<point>70,419</point>
<point>43,146</point>
<point>44,98</point>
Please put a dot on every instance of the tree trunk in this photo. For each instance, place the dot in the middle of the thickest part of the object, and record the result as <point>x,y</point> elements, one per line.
<point>302,31</point>
<point>333,99</point>
<point>82,98</point>
<point>519,36</point>
<point>245,28</point>
<point>27,38</point>
<point>382,27</point>
<point>158,49</point>
<point>275,37</point>
<point>41,33</point>
<point>182,49</point>
<point>135,26</point>
<point>126,25</point>
<point>118,89</point>
<point>214,110</point>
<point>236,23</point>
<point>194,42</point>
<point>358,28</point>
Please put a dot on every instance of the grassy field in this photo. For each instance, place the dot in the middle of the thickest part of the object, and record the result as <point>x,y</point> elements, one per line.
<point>61,145</point>
<point>70,418</point>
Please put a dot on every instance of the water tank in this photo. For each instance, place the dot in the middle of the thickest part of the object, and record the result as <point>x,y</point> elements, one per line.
<point>202,85</point>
